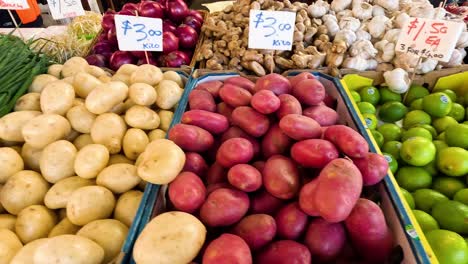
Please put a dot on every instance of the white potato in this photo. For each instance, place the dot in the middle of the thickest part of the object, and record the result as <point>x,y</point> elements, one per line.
<point>134,143</point>
<point>59,194</point>
<point>119,158</point>
<point>34,222</point>
<point>45,129</point>
<point>157,133</point>
<point>127,69</point>
<point>9,245</point>
<point>69,80</point>
<point>142,94</point>
<point>57,161</point>
<point>142,117</point>
<point>96,71</point>
<point>28,102</point>
<point>122,107</point>
<point>73,66</point>
<point>70,248</point>
<point>64,227</point>
<point>166,119</point>
<point>23,189</point>
<point>80,118</point>
<point>2,210</point>
<point>109,129</point>
<point>161,162</point>
<point>40,81</point>
<point>169,94</point>
<point>82,140</point>
<point>31,157</point>
<point>106,79</point>
<point>55,70</point>
<point>90,203</point>
<point>7,221</point>
<point>11,124</point>
<point>78,101</point>
<point>11,163</point>
<point>126,180</point>
<point>91,160</point>
<point>148,74</point>
<point>104,97</point>
<point>173,76</point>
<point>165,235</point>
<point>57,97</point>
<point>127,206</point>
<point>84,83</point>
<point>26,254</point>
<point>121,78</point>
<point>110,234</point>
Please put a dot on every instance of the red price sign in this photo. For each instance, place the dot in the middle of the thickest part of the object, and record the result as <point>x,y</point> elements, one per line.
<point>429,38</point>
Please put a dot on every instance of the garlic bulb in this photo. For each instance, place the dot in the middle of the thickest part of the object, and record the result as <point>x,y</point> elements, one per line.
<point>392,35</point>
<point>423,10</point>
<point>363,11</point>
<point>439,13</point>
<point>401,19</point>
<point>372,65</point>
<point>390,5</point>
<point>362,48</point>
<point>363,35</point>
<point>397,80</point>
<point>456,58</point>
<point>350,23</point>
<point>318,9</point>
<point>462,41</point>
<point>426,65</point>
<point>346,35</point>
<point>378,11</point>
<point>340,5</point>
<point>386,50</point>
<point>332,27</point>
<point>405,61</point>
<point>378,25</point>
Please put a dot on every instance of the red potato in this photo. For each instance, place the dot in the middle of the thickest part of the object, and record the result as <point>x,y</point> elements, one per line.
<point>195,163</point>
<point>373,167</point>
<point>338,189</point>
<point>309,92</point>
<point>235,132</point>
<point>245,177</point>
<point>251,121</point>
<point>225,110</point>
<point>281,177</point>
<point>212,122</point>
<point>300,127</point>
<point>300,77</point>
<point>201,100</point>
<point>273,82</point>
<point>291,221</point>
<point>259,165</point>
<point>288,105</point>
<point>323,114</point>
<point>216,174</point>
<point>187,192</point>
<point>212,87</point>
<point>191,138</point>
<point>347,140</point>
<point>314,153</point>
<point>224,207</point>
<point>306,198</point>
<point>325,240</point>
<point>215,186</point>
<point>265,102</point>
<point>241,82</point>
<point>227,248</point>
<point>275,142</point>
<point>234,151</point>
<point>234,95</point>
<point>263,202</point>
<point>284,252</point>
<point>329,101</point>
<point>257,230</point>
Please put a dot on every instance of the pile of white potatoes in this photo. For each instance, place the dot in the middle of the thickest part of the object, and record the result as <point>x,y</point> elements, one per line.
<point>70,182</point>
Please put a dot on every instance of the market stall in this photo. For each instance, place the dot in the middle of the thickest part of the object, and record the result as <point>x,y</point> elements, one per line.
<point>260,132</point>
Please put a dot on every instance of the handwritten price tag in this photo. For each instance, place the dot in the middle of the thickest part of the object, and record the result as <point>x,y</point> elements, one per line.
<point>60,9</point>
<point>138,33</point>
<point>428,38</point>
<point>271,30</point>
<point>14,4</point>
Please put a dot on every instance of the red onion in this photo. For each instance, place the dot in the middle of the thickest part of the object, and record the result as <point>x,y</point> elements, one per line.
<point>101,37</point>
<point>170,42</point>
<point>176,59</point>
<point>120,58</point>
<point>112,36</point>
<point>127,12</point>
<point>132,7</point>
<point>138,53</point>
<point>151,60</point>
<point>193,22</point>
<point>104,48</point>
<point>188,36</point>
<point>161,60</point>
<point>177,10</point>
<point>196,14</point>
<point>151,9</point>
<point>169,26</point>
<point>96,60</point>
<point>108,21</point>
<point>188,52</point>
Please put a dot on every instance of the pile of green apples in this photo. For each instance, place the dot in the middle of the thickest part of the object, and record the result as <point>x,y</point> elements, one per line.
<point>424,137</point>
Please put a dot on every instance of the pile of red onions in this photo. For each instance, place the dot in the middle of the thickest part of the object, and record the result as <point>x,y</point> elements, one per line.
<point>181,27</point>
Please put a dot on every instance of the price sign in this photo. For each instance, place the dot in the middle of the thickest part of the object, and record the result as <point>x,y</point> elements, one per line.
<point>60,9</point>
<point>14,4</point>
<point>429,38</point>
<point>272,30</point>
<point>138,33</point>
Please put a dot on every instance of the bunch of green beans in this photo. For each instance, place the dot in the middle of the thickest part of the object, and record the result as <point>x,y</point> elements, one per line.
<point>19,64</point>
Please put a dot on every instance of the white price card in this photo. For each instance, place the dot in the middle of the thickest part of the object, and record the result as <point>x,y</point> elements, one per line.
<point>138,33</point>
<point>60,9</point>
<point>14,4</point>
<point>273,30</point>
<point>429,38</point>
